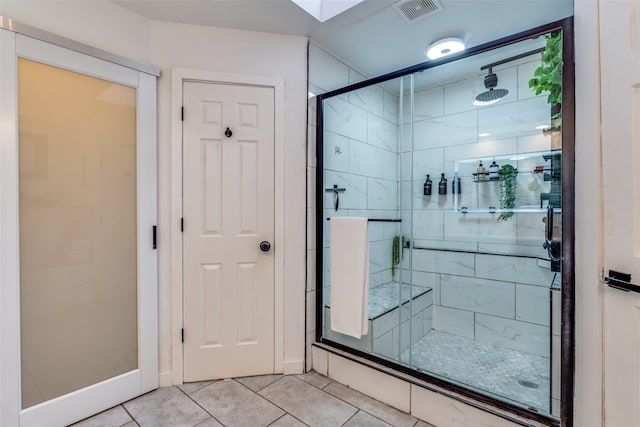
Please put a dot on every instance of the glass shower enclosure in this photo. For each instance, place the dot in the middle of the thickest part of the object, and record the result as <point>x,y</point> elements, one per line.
<point>458,166</point>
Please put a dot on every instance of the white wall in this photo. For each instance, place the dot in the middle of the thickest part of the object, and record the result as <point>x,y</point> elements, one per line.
<point>109,27</point>
<point>98,23</point>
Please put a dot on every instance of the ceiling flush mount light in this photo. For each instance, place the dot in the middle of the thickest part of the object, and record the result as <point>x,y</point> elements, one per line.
<point>445,47</point>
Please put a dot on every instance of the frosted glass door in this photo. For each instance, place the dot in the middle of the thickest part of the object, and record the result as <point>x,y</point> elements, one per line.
<point>78,230</point>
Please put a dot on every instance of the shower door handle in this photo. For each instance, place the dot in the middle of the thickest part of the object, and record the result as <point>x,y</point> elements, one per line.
<point>621,281</point>
<point>553,247</point>
<point>549,223</point>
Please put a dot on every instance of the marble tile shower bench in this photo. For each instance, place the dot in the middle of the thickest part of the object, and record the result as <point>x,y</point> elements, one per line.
<point>388,303</point>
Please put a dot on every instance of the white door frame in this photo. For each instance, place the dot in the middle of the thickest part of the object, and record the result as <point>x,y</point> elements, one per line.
<point>178,76</point>
<point>100,396</point>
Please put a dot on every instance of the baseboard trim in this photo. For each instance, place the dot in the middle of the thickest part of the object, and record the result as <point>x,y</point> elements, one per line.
<point>165,379</point>
<point>293,367</point>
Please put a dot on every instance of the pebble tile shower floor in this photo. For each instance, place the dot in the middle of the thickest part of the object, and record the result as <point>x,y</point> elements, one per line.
<point>270,400</point>
<point>508,374</point>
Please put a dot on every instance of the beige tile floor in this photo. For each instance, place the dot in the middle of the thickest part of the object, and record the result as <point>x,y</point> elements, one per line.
<point>271,400</point>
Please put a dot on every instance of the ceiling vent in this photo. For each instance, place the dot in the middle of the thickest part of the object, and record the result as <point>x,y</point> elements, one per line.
<point>413,10</point>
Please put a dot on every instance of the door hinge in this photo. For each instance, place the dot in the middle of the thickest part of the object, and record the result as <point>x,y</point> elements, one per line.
<point>182,114</point>
<point>182,334</point>
<point>182,224</point>
<point>155,237</point>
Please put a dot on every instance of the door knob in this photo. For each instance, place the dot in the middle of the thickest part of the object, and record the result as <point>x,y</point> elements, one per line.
<point>228,133</point>
<point>265,246</point>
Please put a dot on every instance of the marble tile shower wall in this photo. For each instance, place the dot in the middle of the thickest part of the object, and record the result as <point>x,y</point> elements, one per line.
<point>362,151</point>
<point>488,284</point>
<point>361,156</point>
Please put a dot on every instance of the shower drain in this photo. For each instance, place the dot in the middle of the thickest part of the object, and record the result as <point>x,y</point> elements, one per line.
<point>528,384</point>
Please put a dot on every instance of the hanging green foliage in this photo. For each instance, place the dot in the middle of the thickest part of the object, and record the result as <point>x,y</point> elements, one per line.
<point>548,76</point>
<point>508,199</point>
<point>395,255</point>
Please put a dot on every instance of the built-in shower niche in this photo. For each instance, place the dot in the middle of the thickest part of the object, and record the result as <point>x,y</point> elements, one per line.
<point>525,177</point>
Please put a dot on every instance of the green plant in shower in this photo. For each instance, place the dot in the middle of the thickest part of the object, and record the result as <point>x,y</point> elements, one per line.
<point>395,255</point>
<point>508,199</point>
<point>548,76</point>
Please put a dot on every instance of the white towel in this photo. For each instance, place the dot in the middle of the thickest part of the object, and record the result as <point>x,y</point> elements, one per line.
<point>349,275</point>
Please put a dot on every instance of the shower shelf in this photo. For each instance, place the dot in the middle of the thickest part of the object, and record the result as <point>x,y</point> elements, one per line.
<point>465,210</point>
<point>530,164</point>
<point>475,178</point>
<point>536,171</point>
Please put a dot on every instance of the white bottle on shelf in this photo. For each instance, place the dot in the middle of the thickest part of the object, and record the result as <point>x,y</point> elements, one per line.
<point>494,170</point>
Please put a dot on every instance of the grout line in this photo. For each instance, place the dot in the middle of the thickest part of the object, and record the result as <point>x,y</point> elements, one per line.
<point>274,403</point>
<point>262,388</point>
<point>199,405</point>
<point>278,419</point>
<point>327,385</point>
<point>311,384</point>
<point>411,398</point>
<point>371,398</point>
<point>351,417</point>
<point>129,413</point>
<point>204,386</point>
<point>284,415</point>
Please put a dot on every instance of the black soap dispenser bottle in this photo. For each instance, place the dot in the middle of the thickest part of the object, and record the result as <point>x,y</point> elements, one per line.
<point>442,185</point>
<point>427,187</point>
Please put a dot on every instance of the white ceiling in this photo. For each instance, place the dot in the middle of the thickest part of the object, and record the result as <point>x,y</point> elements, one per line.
<point>371,36</point>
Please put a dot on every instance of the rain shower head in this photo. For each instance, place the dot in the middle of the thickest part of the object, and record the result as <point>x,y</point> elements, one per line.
<point>492,94</point>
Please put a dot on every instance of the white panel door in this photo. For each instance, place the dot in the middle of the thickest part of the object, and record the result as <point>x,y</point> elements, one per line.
<point>228,191</point>
<point>620,44</point>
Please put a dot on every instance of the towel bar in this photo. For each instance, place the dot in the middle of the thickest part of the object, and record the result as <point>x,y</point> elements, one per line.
<point>380,219</point>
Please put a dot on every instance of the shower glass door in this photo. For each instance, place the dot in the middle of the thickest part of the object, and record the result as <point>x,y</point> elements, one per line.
<point>362,150</point>
<point>465,288</point>
<point>487,238</point>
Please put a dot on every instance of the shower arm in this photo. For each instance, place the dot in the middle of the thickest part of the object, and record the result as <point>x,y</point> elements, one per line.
<point>512,58</point>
